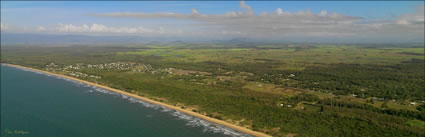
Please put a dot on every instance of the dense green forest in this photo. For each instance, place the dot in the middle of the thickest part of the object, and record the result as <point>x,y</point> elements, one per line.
<point>279,89</point>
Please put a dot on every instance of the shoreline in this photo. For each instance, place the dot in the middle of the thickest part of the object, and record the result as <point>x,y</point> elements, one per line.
<point>188,112</point>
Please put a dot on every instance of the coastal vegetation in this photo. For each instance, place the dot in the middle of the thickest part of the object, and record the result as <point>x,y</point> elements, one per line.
<point>279,89</point>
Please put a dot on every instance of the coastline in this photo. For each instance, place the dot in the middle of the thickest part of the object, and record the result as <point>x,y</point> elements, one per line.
<point>209,119</point>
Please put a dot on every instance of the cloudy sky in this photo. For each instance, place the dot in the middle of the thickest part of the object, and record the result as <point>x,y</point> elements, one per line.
<point>359,21</point>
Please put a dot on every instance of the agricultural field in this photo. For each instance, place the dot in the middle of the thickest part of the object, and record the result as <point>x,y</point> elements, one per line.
<point>280,89</point>
<point>288,55</point>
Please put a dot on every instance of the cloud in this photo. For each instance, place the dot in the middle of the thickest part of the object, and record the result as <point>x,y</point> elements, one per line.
<point>302,24</point>
<point>195,12</point>
<point>416,18</point>
<point>278,24</point>
<point>243,5</point>
<point>103,29</point>
<point>4,26</point>
<point>247,23</point>
<point>41,28</point>
<point>323,13</point>
<point>99,28</point>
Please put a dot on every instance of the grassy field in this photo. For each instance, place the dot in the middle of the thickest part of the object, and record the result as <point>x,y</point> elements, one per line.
<point>288,56</point>
<point>304,90</point>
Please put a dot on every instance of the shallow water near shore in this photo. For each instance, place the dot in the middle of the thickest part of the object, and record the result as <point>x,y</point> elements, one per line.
<point>39,105</point>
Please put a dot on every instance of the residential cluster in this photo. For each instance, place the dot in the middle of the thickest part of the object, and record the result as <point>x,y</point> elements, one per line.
<point>79,74</point>
<point>107,66</point>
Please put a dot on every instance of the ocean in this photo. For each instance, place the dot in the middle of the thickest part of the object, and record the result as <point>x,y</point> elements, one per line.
<point>40,105</point>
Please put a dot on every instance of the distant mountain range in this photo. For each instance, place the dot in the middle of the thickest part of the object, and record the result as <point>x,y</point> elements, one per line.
<point>50,39</point>
<point>58,40</point>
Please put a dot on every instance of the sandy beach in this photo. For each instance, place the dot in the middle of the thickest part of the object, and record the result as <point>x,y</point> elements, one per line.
<point>213,120</point>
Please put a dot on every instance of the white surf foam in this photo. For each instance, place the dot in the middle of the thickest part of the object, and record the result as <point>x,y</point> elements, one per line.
<point>191,120</point>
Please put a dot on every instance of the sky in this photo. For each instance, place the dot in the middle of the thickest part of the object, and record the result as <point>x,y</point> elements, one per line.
<point>303,21</point>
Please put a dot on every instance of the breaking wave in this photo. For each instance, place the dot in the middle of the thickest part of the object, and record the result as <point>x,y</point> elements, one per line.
<point>191,120</point>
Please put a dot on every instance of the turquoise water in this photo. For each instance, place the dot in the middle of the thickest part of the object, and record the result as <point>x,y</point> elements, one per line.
<point>39,105</point>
